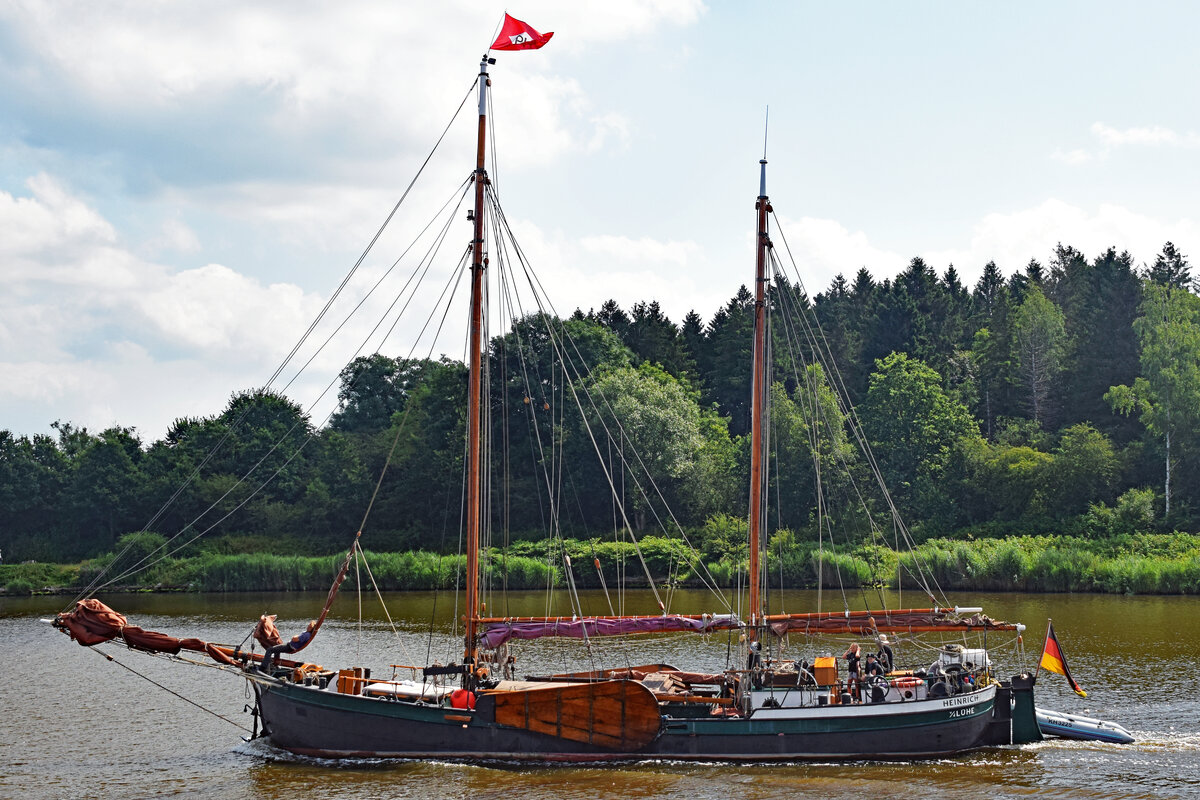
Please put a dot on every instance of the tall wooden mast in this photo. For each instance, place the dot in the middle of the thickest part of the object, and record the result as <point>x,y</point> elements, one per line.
<point>475,379</point>
<point>758,399</point>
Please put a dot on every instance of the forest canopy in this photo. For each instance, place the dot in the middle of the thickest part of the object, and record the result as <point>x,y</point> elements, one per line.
<point>1063,398</point>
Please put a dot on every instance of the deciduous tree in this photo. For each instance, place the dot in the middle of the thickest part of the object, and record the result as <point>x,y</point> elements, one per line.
<point>1040,342</point>
<point>1167,395</point>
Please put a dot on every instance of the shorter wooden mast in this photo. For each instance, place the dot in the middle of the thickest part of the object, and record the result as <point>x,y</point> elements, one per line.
<point>758,404</point>
<point>474,383</point>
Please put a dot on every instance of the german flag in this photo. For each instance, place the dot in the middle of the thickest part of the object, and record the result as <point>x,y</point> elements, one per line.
<point>1053,660</point>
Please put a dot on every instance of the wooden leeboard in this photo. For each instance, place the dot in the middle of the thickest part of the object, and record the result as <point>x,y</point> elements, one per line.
<point>614,715</point>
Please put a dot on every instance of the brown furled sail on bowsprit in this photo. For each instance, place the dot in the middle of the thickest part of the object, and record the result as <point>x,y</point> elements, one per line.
<point>91,622</point>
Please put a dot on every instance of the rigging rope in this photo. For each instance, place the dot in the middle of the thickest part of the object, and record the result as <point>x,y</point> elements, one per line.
<point>169,691</point>
<point>817,419</point>
<point>96,585</point>
<point>577,384</point>
<point>510,299</point>
<point>427,262</point>
<point>823,353</point>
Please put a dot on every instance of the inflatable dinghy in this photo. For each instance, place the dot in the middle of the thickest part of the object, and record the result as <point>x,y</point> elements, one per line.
<point>1072,726</point>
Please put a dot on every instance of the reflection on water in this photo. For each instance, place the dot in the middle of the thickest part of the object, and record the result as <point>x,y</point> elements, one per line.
<point>76,725</point>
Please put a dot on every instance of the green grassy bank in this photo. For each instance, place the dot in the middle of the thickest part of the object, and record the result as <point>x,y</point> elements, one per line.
<point>1133,564</point>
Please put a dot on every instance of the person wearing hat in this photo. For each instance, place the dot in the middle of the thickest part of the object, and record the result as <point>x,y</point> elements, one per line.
<point>296,644</point>
<point>873,676</point>
<point>885,654</point>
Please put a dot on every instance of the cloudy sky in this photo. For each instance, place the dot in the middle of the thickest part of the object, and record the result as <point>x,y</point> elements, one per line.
<point>183,185</point>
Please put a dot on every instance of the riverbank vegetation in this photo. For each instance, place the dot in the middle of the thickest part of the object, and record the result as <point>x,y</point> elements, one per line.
<point>1132,564</point>
<point>1030,428</point>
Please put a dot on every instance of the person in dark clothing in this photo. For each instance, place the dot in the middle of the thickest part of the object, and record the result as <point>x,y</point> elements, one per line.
<point>296,644</point>
<point>806,677</point>
<point>874,667</point>
<point>885,654</point>
<point>853,656</point>
<point>874,679</point>
<point>754,660</point>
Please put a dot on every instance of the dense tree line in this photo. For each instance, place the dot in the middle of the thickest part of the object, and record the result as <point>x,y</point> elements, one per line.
<point>1063,398</point>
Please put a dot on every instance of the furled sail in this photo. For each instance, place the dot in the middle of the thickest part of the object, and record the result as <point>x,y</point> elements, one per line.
<point>498,631</point>
<point>91,622</point>
<point>904,620</point>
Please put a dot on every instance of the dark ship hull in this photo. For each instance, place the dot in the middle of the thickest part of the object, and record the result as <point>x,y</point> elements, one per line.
<point>322,723</point>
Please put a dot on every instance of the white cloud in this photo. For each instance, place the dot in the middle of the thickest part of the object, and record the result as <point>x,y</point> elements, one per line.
<point>80,309</point>
<point>295,124</point>
<point>174,236</point>
<point>644,251</point>
<point>609,127</point>
<point>1072,157</point>
<point>215,309</point>
<point>586,272</point>
<point>52,238</point>
<point>311,52</point>
<point>585,23</point>
<point>63,267</point>
<point>41,383</point>
<point>318,74</point>
<point>1147,137</point>
<point>823,248</point>
<point>1012,239</point>
<point>27,224</point>
<point>1110,139</point>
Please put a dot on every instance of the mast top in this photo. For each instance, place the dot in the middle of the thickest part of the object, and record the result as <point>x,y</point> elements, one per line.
<point>484,80</point>
<point>762,178</point>
<point>766,124</point>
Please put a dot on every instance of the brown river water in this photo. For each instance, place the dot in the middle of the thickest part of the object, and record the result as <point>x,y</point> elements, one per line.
<point>74,725</point>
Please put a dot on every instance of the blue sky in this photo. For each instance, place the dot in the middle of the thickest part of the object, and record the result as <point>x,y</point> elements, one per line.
<point>183,184</point>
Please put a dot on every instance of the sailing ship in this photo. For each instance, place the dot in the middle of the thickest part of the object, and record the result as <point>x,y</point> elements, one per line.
<point>760,707</point>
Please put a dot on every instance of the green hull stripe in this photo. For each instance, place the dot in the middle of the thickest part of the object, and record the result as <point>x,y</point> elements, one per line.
<point>733,726</point>
<point>674,726</point>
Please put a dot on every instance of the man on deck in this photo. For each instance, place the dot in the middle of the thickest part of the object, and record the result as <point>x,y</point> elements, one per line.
<point>296,644</point>
<point>885,655</point>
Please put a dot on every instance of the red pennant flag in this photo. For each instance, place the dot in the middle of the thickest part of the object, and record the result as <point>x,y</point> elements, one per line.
<point>1053,660</point>
<point>516,35</point>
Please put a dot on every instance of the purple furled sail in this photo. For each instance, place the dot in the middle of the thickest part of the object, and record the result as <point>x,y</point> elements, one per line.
<point>497,633</point>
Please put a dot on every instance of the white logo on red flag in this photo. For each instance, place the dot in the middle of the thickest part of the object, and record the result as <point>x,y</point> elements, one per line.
<point>517,35</point>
